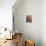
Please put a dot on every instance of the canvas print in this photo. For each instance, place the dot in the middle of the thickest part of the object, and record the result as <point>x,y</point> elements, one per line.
<point>29,18</point>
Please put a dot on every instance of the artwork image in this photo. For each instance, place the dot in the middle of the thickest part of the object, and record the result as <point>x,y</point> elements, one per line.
<point>29,18</point>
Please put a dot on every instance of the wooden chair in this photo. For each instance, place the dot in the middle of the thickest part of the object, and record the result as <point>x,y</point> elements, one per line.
<point>29,43</point>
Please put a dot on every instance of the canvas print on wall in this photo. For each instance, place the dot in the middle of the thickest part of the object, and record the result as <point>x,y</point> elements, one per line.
<point>29,18</point>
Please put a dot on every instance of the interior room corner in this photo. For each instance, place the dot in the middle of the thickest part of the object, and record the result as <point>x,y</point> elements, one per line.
<point>22,22</point>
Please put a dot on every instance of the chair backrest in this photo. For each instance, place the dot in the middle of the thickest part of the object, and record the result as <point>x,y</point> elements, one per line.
<point>29,43</point>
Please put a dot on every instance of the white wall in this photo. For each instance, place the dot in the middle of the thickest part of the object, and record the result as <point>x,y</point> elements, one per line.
<point>6,13</point>
<point>30,30</point>
<point>43,22</point>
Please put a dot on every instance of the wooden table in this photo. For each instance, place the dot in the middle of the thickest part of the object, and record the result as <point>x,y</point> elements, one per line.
<point>18,39</point>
